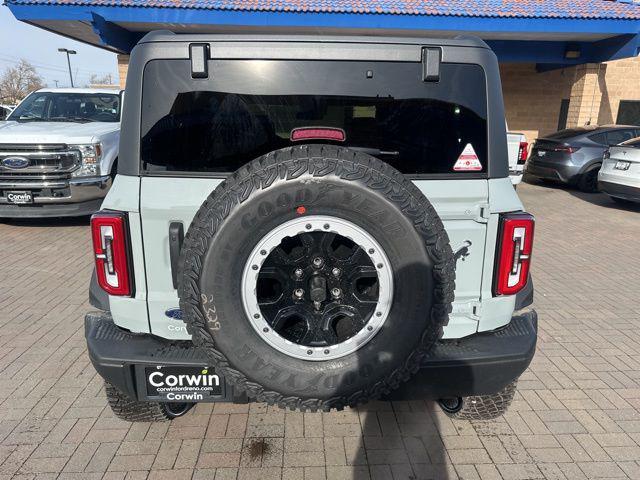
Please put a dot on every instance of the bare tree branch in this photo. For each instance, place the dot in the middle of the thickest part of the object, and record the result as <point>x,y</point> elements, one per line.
<point>19,81</point>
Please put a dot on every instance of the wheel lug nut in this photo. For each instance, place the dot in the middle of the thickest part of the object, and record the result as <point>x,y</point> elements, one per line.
<point>298,272</point>
<point>336,272</point>
<point>318,262</point>
<point>298,293</point>
<point>336,292</point>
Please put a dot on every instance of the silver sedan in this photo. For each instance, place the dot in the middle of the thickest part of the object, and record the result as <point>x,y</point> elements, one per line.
<point>619,176</point>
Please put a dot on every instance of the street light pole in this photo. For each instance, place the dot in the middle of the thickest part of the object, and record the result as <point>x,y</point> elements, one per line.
<point>68,52</point>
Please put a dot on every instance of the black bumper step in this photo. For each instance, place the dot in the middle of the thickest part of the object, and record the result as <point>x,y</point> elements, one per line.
<point>480,364</point>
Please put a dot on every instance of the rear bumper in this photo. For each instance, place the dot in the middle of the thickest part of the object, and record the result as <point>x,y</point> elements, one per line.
<point>560,172</point>
<point>477,365</point>
<point>618,190</point>
<point>480,364</point>
<point>65,198</point>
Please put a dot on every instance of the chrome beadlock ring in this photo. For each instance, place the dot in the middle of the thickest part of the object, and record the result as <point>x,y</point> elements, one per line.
<point>308,224</point>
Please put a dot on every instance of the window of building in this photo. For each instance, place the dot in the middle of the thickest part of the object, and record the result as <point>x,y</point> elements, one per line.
<point>629,112</point>
<point>564,113</point>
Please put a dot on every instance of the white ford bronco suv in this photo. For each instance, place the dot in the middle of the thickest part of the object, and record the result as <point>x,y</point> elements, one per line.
<point>312,222</point>
<point>57,152</point>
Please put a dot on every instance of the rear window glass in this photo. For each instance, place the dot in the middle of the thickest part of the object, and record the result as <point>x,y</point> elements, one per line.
<point>600,138</point>
<point>618,136</point>
<point>568,133</point>
<point>247,108</point>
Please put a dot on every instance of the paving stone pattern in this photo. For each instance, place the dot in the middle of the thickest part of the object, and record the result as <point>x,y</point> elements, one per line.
<point>576,416</point>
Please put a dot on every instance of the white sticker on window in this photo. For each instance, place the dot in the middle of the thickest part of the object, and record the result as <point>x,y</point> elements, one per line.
<point>468,161</point>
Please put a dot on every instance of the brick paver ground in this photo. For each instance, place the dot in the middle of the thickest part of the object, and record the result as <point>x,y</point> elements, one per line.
<point>576,416</point>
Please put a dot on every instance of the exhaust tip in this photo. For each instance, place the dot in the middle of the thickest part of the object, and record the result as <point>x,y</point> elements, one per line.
<point>451,405</point>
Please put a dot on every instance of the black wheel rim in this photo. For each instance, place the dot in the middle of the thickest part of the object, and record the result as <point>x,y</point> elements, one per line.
<point>317,289</point>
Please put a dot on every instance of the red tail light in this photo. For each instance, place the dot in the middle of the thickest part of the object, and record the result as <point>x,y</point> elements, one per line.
<point>566,149</point>
<point>522,153</point>
<point>514,253</point>
<point>111,248</point>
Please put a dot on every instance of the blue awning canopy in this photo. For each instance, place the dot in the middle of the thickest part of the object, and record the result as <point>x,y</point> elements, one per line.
<point>552,33</point>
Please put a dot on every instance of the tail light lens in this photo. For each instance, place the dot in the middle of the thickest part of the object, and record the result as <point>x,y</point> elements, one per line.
<point>522,153</point>
<point>111,248</point>
<point>514,253</point>
<point>566,149</point>
<point>607,154</point>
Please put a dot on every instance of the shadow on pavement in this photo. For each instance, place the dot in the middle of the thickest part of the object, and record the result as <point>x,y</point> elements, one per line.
<point>401,440</point>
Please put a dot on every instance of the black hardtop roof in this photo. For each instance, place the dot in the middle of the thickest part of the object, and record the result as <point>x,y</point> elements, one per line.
<point>453,41</point>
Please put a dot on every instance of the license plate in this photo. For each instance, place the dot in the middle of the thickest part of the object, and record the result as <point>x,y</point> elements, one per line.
<point>183,384</point>
<point>622,165</point>
<point>541,153</point>
<point>19,197</point>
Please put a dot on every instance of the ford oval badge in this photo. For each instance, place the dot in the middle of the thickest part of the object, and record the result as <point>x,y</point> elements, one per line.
<point>174,313</point>
<point>15,162</point>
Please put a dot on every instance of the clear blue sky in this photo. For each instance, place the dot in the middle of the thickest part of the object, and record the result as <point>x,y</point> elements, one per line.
<point>19,40</point>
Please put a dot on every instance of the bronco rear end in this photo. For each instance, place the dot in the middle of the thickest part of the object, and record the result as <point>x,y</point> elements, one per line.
<point>313,223</point>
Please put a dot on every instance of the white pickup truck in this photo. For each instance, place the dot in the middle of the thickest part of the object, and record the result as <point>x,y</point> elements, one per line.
<point>58,149</point>
<point>517,147</point>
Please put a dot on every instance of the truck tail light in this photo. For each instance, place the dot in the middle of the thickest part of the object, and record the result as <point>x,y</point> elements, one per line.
<point>514,253</point>
<point>111,249</point>
<point>522,153</point>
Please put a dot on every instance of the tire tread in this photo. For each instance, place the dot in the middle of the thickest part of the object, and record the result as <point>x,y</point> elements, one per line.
<point>131,410</point>
<point>318,161</point>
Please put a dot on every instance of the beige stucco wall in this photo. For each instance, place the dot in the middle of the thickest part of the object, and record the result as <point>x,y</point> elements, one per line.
<point>531,99</point>
<point>123,67</point>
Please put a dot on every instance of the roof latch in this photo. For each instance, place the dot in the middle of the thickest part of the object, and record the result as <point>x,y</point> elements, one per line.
<point>199,55</point>
<point>431,58</point>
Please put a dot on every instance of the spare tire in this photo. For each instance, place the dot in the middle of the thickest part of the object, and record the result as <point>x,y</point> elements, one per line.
<point>316,277</point>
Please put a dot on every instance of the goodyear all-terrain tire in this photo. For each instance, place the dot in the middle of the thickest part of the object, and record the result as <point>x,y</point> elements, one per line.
<point>131,410</point>
<point>332,189</point>
<point>480,407</point>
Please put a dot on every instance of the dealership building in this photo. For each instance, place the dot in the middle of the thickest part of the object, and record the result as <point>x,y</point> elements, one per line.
<point>564,63</point>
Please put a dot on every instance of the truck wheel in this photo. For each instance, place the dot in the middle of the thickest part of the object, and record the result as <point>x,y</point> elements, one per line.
<point>134,411</point>
<point>481,407</point>
<point>316,277</point>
